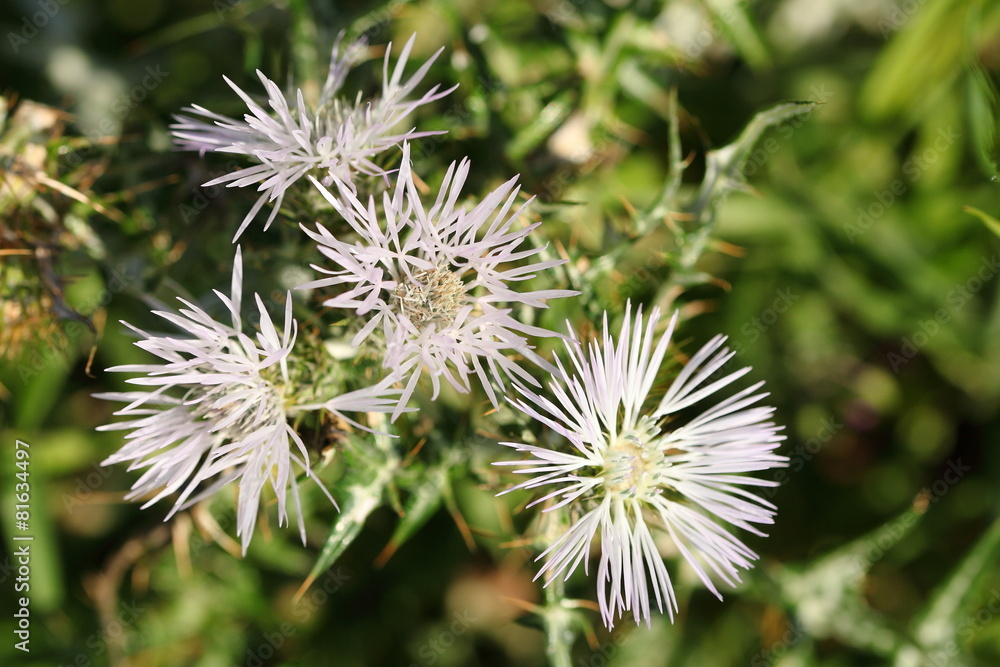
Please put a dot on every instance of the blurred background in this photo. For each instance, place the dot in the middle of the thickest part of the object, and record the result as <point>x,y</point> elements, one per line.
<point>854,268</point>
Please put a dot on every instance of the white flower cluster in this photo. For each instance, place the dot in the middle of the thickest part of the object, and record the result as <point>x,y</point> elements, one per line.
<point>433,287</point>
<point>435,279</point>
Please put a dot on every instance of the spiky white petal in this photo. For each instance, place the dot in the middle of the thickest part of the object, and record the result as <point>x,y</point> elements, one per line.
<point>627,471</point>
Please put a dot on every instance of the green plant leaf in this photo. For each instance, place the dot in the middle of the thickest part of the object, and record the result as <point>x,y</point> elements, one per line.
<point>826,595</point>
<point>737,21</point>
<point>424,500</point>
<point>925,52</point>
<point>544,124</point>
<point>991,223</point>
<point>981,96</point>
<point>723,174</point>
<point>937,629</point>
<point>371,471</point>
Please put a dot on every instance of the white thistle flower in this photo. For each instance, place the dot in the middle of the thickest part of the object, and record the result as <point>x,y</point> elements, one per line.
<point>434,281</point>
<point>629,470</point>
<point>337,137</point>
<point>218,411</point>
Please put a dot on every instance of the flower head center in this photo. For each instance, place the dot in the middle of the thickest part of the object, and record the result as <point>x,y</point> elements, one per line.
<point>435,295</point>
<point>236,417</point>
<point>632,462</point>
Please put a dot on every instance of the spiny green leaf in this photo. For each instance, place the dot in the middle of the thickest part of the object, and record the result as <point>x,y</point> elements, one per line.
<point>826,595</point>
<point>373,471</point>
<point>937,628</point>
<point>360,503</point>
<point>423,502</point>
<point>723,174</point>
<point>724,164</point>
<point>544,124</point>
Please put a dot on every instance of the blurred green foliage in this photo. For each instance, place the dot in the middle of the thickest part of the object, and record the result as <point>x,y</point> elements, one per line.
<point>853,265</point>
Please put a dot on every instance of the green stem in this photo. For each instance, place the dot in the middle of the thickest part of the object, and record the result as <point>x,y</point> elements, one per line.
<point>667,198</point>
<point>304,51</point>
<point>559,633</point>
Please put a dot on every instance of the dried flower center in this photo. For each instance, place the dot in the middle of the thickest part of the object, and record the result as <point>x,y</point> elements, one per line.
<point>435,295</point>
